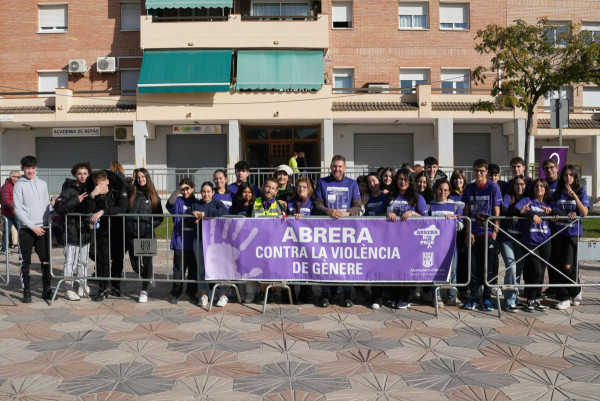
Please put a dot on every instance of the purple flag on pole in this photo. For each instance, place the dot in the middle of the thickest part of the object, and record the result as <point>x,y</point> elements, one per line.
<point>328,250</point>
<point>557,153</point>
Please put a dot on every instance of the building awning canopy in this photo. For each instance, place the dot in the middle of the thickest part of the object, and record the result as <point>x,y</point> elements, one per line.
<point>153,4</point>
<point>279,70</point>
<point>181,71</point>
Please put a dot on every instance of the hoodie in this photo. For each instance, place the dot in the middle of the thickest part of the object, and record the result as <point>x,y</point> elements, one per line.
<point>6,198</point>
<point>31,202</point>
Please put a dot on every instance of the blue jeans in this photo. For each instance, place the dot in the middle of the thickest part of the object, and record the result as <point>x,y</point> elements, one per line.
<point>199,253</point>
<point>6,236</point>
<point>511,252</point>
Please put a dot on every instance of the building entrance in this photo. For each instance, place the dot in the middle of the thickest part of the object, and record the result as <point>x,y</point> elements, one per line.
<point>273,145</point>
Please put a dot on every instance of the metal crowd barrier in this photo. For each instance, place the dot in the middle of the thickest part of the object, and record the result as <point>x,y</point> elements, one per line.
<point>592,252</point>
<point>150,248</point>
<point>5,278</point>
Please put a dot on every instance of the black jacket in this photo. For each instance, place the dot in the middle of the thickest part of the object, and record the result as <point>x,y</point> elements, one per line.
<point>113,202</point>
<point>142,227</point>
<point>68,202</point>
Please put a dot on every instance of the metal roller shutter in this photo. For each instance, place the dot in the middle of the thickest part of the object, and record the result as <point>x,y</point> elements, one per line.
<point>469,147</point>
<point>196,151</point>
<point>65,152</point>
<point>383,150</point>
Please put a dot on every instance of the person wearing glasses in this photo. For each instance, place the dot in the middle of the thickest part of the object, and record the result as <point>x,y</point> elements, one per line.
<point>8,210</point>
<point>482,199</point>
<point>551,170</point>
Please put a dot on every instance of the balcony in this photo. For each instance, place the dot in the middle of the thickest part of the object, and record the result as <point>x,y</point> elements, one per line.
<point>236,32</point>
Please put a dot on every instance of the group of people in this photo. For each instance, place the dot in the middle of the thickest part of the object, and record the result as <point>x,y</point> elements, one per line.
<point>398,195</point>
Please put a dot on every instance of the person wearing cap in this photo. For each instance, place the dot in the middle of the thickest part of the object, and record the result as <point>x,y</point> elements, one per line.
<point>285,189</point>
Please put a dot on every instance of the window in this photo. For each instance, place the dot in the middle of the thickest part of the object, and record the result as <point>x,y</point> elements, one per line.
<point>554,32</point>
<point>565,94</point>
<point>53,18</point>
<point>130,16</point>
<point>280,9</point>
<point>413,15</point>
<point>454,16</point>
<point>411,77</point>
<point>591,99</point>
<point>341,14</point>
<point>593,30</point>
<point>343,78</point>
<point>129,81</point>
<point>456,79</point>
<point>48,81</point>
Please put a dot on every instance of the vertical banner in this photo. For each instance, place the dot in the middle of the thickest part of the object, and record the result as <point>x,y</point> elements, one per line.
<point>557,153</point>
<point>377,250</point>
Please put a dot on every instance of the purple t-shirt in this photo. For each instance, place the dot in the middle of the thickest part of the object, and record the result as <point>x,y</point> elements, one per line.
<point>511,226</point>
<point>233,188</point>
<point>564,202</point>
<point>531,233</point>
<point>481,200</point>
<point>443,209</point>
<point>400,205</point>
<point>374,204</point>
<point>296,206</point>
<point>226,199</point>
<point>337,194</point>
<point>184,229</point>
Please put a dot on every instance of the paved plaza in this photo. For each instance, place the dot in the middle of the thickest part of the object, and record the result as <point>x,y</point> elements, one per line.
<point>122,350</point>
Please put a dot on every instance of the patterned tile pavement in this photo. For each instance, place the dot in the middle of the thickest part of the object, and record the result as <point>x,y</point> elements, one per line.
<point>122,350</point>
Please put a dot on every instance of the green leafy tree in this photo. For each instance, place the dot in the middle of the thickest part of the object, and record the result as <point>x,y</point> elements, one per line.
<point>534,59</point>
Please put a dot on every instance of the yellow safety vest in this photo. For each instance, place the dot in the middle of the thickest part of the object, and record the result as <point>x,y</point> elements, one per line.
<point>259,209</point>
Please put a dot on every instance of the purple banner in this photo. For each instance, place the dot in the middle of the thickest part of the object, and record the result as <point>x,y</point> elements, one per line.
<point>328,250</point>
<point>557,153</point>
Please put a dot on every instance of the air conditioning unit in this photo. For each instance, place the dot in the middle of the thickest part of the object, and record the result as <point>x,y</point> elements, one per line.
<point>77,66</point>
<point>106,64</point>
<point>123,133</point>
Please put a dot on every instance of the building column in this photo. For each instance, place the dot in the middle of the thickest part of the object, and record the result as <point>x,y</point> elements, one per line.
<point>328,151</point>
<point>140,133</point>
<point>233,143</point>
<point>596,167</point>
<point>519,137</point>
<point>444,135</point>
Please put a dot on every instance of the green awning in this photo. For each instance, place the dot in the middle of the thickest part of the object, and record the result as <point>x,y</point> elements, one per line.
<point>180,71</point>
<point>279,70</point>
<point>189,4</point>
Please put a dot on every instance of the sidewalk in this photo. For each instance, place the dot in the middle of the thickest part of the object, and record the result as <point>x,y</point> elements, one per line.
<point>122,350</point>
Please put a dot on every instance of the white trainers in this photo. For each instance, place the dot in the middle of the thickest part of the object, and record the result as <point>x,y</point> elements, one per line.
<point>82,293</point>
<point>375,306</point>
<point>563,305</point>
<point>222,301</point>
<point>204,301</point>
<point>577,299</point>
<point>72,295</point>
<point>143,297</point>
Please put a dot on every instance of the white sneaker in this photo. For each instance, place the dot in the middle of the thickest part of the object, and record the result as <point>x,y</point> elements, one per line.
<point>82,293</point>
<point>204,301</point>
<point>563,305</point>
<point>143,297</point>
<point>440,302</point>
<point>222,302</point>
<point>577,299</point>
<point>375,306</point>
<point>402,305</point>
<point>72,296</point>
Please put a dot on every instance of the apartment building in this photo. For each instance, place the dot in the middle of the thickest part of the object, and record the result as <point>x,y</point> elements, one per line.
<point>200,84</point>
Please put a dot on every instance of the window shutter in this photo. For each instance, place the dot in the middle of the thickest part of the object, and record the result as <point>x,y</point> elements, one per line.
<point>342,11</point>
<point>53,17</point>
<point>591,98</point>
<point>454,14</point>
<point>129,81</point>
<point>456,75</point>
<point>414,75</point>
<point>469,147</point>
<point>130,16</point>
<point>412,8</point>
<point>387,150</point>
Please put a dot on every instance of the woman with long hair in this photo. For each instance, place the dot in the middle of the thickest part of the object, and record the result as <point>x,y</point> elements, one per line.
<point>301,204</point>
<point>511,251</point>
<point>117,168</point>
<point>423,186</point>
<point>572,199</point>
<point>535,233</point>
<point>180,202</point>
<point>458,182</point>
<point>222,193</point>
<point>143,199</point>
<point>243,199</point>
<point>386,177</point>
<point>403,202</point>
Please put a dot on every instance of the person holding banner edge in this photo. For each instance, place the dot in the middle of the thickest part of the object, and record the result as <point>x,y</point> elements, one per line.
<point>337,196</point>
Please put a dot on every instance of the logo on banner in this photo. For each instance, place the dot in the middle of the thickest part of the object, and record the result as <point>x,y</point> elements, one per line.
<point>427,259</point>
<point>428,234</point>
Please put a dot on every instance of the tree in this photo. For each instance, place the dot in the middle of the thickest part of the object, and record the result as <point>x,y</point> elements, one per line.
<point>534,59</point>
